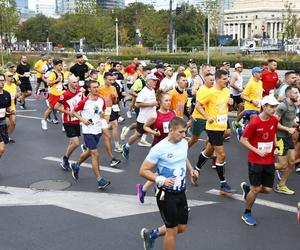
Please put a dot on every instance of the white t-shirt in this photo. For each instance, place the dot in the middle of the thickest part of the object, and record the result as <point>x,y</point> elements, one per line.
<point>91,110</point>
<point>146,95</point>
<point>239,84</point>
<point>167,83</point>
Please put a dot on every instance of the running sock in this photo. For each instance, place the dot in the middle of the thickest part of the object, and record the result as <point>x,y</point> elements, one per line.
<point>247,211</point>
<point>144,137</point>
<point>55,114</point>
<point>65,158</point>
<point>127,145</point>
<point>201,160</point>
<point>220,171</point>
<point>143,190</point>
<point>154,233</point>
<point>117,145</point>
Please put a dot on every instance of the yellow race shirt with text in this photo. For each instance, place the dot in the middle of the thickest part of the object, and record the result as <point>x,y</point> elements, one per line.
<point>38,65</point>
<point>254,91</point>
<point>57,88</point>
<point>216,107</point>
<point>12,90</point>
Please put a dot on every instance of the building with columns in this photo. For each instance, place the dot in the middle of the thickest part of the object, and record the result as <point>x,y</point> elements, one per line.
<point>249,19</point>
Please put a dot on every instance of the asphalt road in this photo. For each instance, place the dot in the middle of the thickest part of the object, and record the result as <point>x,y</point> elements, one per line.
<point>81,217</point>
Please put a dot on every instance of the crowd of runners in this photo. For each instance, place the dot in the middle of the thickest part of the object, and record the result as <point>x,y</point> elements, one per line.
<point>169,109</point>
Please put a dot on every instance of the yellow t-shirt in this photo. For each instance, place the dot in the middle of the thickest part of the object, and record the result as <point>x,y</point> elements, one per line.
<point>38,65</point>
<point>178,102</point>
<point>57,88</point>
<point>12,90</point>
<point>187,72</point>
<point>254,92</point>
<point>106,93</point>
<point>100,79</point>
<point>107,67</point>
<point>66,74</point>
<point>216,106</point>
<point>202,92</point>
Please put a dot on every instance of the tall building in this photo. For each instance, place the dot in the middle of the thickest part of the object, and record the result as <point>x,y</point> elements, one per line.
<point>110,4</point>
<point>22,4</point>
<point>256,18</point>
<point>46,7</point>
<point>65,6</point>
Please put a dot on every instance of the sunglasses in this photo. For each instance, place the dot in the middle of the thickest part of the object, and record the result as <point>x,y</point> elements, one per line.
<point>10,75</point>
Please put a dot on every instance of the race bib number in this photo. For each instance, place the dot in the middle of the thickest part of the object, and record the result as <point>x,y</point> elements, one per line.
<point>116,108</point>
<point>27,74</point>
<point>222,119</point>
<point>59,87</point>
<point>2,113</point>
<point>179,182</point>
<point>266,147</point>
<point>81,83</point>
<point>96,121</point>
<point>107,111</point>
<point>166,127</point>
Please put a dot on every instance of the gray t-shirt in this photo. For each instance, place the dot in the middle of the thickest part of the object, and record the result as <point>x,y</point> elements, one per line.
<point>287,112</point>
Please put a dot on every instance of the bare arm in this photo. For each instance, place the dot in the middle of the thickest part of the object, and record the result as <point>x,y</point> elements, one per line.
<point>244,141</point>
<point>144,104</point>
<point>201,110</point>
<point>232,82</point>
<point>60,107</point>
<point>148,124</point>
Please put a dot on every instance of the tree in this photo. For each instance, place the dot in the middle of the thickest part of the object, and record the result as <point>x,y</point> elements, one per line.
<point>291,21</point>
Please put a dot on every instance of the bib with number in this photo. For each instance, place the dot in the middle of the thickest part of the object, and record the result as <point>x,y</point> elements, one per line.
<point>266,147</point>
<point>2,112</point>
<point>222,119</point>
<point>116,108</point>
<point>166,127</point>
<point>107,111</point>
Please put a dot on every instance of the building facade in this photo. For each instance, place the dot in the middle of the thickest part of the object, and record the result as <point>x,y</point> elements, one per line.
<point>256,19</point>
<point>110,4</point>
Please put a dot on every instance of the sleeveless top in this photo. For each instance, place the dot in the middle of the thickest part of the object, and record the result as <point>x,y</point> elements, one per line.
<point>162,125</point>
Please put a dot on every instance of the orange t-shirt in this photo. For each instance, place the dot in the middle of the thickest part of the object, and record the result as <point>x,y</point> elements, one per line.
<point>106,92</point>
<point>178,101</point>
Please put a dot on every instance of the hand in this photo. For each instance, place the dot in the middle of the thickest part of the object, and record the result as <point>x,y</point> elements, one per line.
<point>59,79</point>
<point>169,182</point>
<point>261,153</point>
<point>86,122</point>
<point>154,103</point>
<point>194,176</point>
<point>291,130</point>
<point>276,151</point>
<point>156,133</point>
<point>256,103</point>
<point>210,120</point>
<point>230,101</point>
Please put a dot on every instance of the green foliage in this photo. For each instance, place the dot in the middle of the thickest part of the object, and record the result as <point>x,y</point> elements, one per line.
<point>291,21</point>
<point>8,19</point>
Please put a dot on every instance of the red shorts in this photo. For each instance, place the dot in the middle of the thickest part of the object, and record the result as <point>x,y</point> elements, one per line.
<point>53,99</point>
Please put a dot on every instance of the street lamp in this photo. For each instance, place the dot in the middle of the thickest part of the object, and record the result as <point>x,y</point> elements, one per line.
<point>117,37</point>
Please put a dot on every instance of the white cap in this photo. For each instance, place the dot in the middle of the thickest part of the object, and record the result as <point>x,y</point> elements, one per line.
<point>168,69</point>
<point>144,64</point>
<point>269,99</point>
<point>238,65</point>
<point>151,77</point>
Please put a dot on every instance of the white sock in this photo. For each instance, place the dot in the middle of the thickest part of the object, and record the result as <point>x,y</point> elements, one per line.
<point>144,137</point>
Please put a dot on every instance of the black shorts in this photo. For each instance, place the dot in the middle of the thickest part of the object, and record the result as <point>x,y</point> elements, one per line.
<point>3,134</point>
<point>113,116</point>
<point>24,87</point>
<point>261,174</point>
<point>173,208</point>
<point>72,130</point>
<point>140,128</point>
<point>40,80</point>
<point>236,99</point>
<point>285,144</point>
<point>215,138</point>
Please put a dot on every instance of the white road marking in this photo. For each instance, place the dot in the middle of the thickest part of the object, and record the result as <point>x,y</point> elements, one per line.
<point>30,117</point>
<point>86,165</point>
<point>266,203</point>
<point>99,204</point>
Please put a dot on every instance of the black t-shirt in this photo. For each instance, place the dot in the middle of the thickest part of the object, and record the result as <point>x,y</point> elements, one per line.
<point>5,102</point>
<point>79,70</point>
<point>21,69</point>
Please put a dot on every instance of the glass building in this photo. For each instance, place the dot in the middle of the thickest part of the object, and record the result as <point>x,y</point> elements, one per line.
<point>109,4</point>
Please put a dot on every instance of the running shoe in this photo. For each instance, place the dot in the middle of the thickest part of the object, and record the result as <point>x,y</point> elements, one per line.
<point>239,133</point>
<point>139,190</point>
<point>125,152</point>
<point>22,106</point>
<point>124,132</point>
<point>298,212</point>
<point>225,189</point>
<point>148,241</point>
<point>235,125</point>
<point>65,164</point>
<point>298,170</point>
<point>63,129</point>
<point>129,114</point>
<point>118,149</point>
<point>49,119</point>
<point>114,162</point>
<point>75,170</point>
<point>249,219</point>
<point>283,190</point>
<point>121,119</point>
<point>227,138</point>
<point>102,183</point>
<point>213,163</point>
<point>55,121</point>
<point>245,188</point>
<point>297,167</point>
<point>143,143</point>
<point>10,140</point>
<point>83,148</point>
<point>278,174</point>
<point>44,124</point>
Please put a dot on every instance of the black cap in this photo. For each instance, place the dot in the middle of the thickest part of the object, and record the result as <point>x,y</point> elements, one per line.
<point>159,66</point>
<point>79,56</point>
<point>190,61</point>
<point>57,61</point>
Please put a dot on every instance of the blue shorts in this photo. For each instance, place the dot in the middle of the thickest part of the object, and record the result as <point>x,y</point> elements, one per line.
<point>249,113</point>
<point>91,141</point>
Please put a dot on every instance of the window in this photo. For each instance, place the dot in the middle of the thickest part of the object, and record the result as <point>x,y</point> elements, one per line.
<point>256,27</point>
<point>256,17</point>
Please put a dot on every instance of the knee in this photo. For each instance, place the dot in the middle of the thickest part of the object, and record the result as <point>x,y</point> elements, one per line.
<point>94,153</point>
<point>267,190</point>
<point>256,190</point>
<point>181,228</point>
<point>2,149</point>
<point>76,143</point>
<point>221,156</point>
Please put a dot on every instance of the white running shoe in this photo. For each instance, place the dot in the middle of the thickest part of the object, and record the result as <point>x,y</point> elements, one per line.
<point>124,132</point>
<point>129,115</point>
<point>121,119</point>
<point>143,143</point>
<point>44,124</point>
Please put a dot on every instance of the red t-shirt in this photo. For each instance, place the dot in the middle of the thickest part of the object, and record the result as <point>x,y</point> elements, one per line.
<point>261,134</point>
<point>160,77</point>
<point>70,100</point>
<point>269,80</point>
